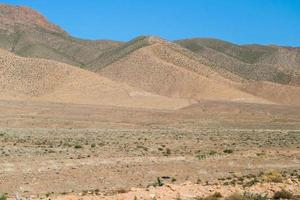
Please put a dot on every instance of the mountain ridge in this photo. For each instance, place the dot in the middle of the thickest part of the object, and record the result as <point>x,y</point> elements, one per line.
<point>195,69</point>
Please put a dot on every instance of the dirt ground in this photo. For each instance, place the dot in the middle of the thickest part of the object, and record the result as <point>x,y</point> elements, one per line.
<point>63,151</point>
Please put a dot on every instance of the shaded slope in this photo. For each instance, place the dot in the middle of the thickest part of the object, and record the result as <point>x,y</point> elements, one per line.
<point>44,80</point>
<point>252,62</point>
<point>164,68</point>
<point>26,32</point>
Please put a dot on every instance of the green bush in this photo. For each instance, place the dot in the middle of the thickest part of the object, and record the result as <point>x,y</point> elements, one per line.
<point>201,156</point>
<point>246,196</point>
<point>3,197</point>
<point>212,153</point>
<point>228,151</point>
<point>158,183</point>
<point>77,146</point>
<point>283,194</point>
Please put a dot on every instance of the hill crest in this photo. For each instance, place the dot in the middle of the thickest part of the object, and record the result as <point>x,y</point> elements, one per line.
<point>21,16</point>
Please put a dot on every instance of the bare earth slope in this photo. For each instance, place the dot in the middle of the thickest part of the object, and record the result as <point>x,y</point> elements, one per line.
<point>159,67</point>
<point>38,79</point>
<point>165,68</point>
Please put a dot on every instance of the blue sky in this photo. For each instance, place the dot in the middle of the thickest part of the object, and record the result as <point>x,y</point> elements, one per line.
<point>238,21</point>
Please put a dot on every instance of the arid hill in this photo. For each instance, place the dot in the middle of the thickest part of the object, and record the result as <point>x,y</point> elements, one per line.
<point>194,69</point>
<point>44,80</point>
<point>26,32</point>
<point>165,68</point>
<point>252,62</point>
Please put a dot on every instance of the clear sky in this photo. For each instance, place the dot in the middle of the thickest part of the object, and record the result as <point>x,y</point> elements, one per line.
<point>238,21</point>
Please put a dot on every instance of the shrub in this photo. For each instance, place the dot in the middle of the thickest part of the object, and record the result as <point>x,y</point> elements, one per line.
<point>251,182</point>
<point>212,153</point>
<point>211,197</point>
<point>217,195</point>
<point>250,196</point>
<point>201,157</point>
<point>272,176</point>
<point>168,152</point>
<point>77,146</point>
<point>214,196</point>
<point>121,191</point>
<point>3,197</point>
<point>283,194</point>
<point>235,196</point>
<point>246,196</point>
<point>158,182</point>
<point>228,151</point>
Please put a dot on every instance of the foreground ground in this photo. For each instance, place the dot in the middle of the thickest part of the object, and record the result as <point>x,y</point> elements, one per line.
<point>76,151</point>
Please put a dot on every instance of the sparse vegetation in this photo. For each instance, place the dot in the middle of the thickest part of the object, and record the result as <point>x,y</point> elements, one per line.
<point>228,151</point>
<point>201,156</point>
<point>77,146</point>
<point>158,182</point>
<point>121,191</point>
<point>168,152</point>
<point>283,194</point>
<point>251,196</point>
<point>147,108</point>
<point>236,196</point>
<point>272,176</point>
<point>212,153</point>
<point>93,145</point>
<point>3,197</point>
<point>129,144</point>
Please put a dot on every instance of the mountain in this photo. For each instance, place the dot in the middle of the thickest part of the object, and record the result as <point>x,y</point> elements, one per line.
<point>27,33</point>
<point>158,66</point>
<point>49,81</point>
<point>149,67</point>
<point>166,68</point>
<point>252,62</point>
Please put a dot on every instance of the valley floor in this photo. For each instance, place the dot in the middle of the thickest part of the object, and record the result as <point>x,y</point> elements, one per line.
<point>85,152</point>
